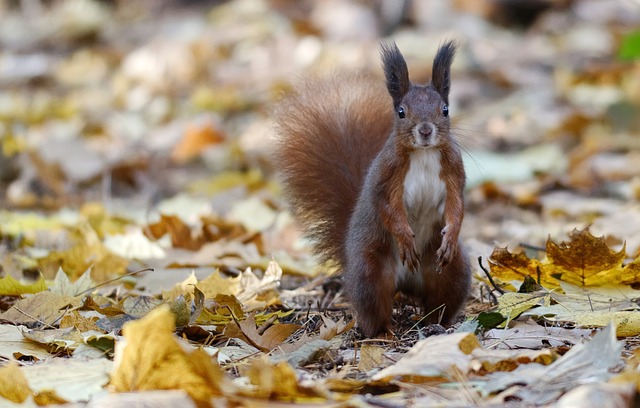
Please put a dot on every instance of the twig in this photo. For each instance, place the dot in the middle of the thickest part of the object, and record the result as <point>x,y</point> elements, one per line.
<point>486,272</point>
<point>115,279</point>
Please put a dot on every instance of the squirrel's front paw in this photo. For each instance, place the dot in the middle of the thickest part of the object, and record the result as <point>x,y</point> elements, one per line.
<point>447,250</point>
<point>408,252</point>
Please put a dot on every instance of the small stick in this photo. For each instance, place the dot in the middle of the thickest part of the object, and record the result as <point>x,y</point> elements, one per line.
<point>486,272</point>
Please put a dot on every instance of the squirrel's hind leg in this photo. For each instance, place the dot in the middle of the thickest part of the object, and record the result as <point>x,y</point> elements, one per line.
<point>370,287</point>
<point>446,292</point>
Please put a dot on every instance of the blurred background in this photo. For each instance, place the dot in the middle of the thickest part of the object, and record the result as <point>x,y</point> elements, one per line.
<point>133,102</point>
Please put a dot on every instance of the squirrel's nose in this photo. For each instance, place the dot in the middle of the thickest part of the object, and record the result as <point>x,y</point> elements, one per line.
<point>426,130</point>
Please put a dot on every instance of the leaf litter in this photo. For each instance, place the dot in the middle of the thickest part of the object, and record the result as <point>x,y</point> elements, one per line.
<point>146,255</point>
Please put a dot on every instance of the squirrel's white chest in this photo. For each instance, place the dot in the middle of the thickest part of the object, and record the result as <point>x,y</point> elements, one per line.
<point>424,192</point>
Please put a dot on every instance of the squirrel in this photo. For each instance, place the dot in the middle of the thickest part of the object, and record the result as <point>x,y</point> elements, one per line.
<point>376,181</point>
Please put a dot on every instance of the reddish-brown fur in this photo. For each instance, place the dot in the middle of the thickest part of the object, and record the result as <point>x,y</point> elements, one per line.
<point>345,154</point>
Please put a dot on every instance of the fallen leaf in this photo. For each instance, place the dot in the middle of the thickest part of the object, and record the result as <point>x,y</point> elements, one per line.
<point>545,383</point>
<point>9,286</point>
<point>13,384</point>
<point>195,140</point>
<point>181,234</point>
<point>371,356</point>
<point>63,286</point>
<point>42,308</point>
<point>585,260</point>
<point>276,381</point>
<point>152,359</point>
<point>14,346</point>
<point>72,380</point>
<point>270,339</point>
<point>488,361</point>
<point>301,354</point>
<point>435,356</point>
<point>512,305</point>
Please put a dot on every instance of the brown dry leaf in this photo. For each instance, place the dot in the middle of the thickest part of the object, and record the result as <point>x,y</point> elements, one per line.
<point>55,339</point>
<point>79,322</point>
<point>13,384</point>
<point>195,140</point>
<point>270,339</point>
<point>371,356</point>
<point>43,307</point>
<point>331,329</point>
<point>152,359</point>
<point>181,234</point>
<point>277,381</point>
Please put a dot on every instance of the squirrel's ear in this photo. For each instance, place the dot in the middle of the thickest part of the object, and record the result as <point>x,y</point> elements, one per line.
<point>395,71</point>
<point>441,75</point>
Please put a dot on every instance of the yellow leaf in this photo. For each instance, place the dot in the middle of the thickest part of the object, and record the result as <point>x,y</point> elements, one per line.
<point>507,266</point>
<point>631,272</point>
<point>585,260</point>
<point>627,322</point>
<point>78,259</point>
<point>276,381</point>
<point>48,397</point>
<point>152,359</point>
<point>9,286</point>
<point>511,305</point>
<point>215,284</point>
<point>13,384</point>
<point>101,221</point>
<point>225,180</point>
<point>27,223</point>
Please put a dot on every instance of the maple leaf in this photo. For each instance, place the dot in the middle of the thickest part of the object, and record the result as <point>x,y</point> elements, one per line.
<point>507,266</point>
<point>585,260</point>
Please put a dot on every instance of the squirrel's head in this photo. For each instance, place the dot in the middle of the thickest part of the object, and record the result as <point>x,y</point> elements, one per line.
<point>422,111</point>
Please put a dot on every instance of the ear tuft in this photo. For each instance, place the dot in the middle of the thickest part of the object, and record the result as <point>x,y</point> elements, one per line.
<point>441,75</point>
<point>395,71</point>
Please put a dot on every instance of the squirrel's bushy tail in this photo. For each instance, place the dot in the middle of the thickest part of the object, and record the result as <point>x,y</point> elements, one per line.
<point>328,133</point>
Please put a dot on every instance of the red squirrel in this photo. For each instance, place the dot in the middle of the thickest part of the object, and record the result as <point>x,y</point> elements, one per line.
<point>376,181</point>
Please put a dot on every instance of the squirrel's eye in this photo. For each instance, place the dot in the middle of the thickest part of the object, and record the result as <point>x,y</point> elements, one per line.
<point>401,112</point>
<point>445,110</point>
